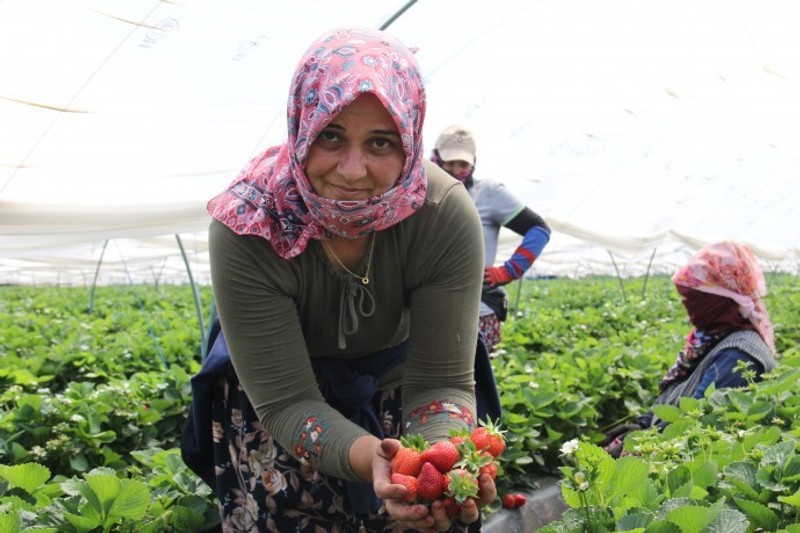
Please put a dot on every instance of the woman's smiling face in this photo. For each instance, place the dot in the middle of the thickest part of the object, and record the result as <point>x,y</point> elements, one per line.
<point>358,155</point>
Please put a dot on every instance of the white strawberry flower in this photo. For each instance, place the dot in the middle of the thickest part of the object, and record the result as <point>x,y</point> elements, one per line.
<point>569,447</point>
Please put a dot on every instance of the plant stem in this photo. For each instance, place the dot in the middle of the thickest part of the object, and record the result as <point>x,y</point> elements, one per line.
<point>585,505</point>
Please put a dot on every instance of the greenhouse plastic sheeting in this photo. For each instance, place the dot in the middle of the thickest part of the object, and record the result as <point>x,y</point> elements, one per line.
<point>639,129</point>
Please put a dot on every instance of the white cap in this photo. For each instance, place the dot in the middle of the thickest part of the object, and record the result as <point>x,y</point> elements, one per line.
<point>456,143</point>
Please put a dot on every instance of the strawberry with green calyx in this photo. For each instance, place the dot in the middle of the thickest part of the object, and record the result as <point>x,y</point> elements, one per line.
<point>459,436</point>
<point>410,483</point>
<point>489,437</point>
<point>407,459</point>
<point>462,484</point>
<point>430,483</point>
<point>477,461</point>
<point>443,455</point>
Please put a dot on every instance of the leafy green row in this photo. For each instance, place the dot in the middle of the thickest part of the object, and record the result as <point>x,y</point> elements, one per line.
<point>582,356</point>
<point>83,391</point>
<point>51,337</point>
<point>728,462</point>
<point>165,496</point>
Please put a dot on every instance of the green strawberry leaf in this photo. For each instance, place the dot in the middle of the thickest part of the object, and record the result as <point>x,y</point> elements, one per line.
<point>634,521</point>
<point>10,523</point>
<point>779,453</point>
<point>662,526</point>
<point>668,413</point>
<point>793,500</point>
<point>28,476</point>
<point>729,521</point>
<point>761,514</point>
<point>627,478</point>
<point>690,518</point>
<point>131,501</point>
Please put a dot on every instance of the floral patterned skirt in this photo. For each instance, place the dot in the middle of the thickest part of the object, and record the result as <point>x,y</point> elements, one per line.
<point>262,488</point>
<point>489,326</point>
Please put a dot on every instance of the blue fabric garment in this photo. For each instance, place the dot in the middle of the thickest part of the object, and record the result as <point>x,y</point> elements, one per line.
<point>487,399</point>
<point>196,440</point>
<point>722,371</point>
<point>349,385</point>
<point>533,242</point>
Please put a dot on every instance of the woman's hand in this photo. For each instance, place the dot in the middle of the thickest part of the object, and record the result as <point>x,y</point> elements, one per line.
<point>416,516</point>
<point>470,509</point>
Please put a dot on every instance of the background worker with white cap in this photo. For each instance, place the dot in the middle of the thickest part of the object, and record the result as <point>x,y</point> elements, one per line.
<point>498,207</point>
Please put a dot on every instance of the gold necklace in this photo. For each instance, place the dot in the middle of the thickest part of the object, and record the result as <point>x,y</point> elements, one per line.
<point>365,278</point>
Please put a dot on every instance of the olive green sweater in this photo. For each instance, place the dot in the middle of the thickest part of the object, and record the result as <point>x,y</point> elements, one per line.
<point>277,314</point>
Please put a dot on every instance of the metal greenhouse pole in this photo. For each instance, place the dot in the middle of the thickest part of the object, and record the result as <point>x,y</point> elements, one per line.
<point>647,274</point>
<point>196,294</point>
<point>96,275</point>
<point>619,277</point>
<point>397,14</point>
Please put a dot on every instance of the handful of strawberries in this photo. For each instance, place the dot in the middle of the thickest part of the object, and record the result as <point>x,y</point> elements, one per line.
<point>447,470</point>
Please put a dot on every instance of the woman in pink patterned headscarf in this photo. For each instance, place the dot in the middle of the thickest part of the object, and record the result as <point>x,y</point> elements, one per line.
<point>727,269</point>
<point>273,197</point>
<point>721,288</point>
<point>347,275</point>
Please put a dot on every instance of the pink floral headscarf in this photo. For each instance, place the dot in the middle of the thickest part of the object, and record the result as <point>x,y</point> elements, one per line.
<point>729,269</point>
<point>272,197</point>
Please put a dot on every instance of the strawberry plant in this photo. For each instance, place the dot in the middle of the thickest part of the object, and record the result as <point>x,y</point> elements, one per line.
<point>169,498</point>
<point>727,461</point>
<point>83,389</point>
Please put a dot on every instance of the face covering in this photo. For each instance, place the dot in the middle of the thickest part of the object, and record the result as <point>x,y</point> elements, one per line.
<point>465,176</point>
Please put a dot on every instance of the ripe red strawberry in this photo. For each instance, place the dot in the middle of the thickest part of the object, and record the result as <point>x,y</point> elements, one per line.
<point>489,468</point>
<point>410,483</point>
<point>407,459</point>
<point>519,499</point>
<point>509,502</point>
<point>443,455</point>
<point>451,507</point>
<point>461,484</point>
<point>489,437</point>
<point>430,483</point>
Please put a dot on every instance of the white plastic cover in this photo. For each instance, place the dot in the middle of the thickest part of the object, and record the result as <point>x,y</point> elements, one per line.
<point>640,129</point>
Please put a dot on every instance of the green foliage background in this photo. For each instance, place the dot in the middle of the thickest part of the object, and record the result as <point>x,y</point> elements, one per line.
<point>581,356</point>
<point>87,395</point>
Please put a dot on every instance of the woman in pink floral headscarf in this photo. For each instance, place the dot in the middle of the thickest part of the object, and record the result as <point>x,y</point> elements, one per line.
<point>347,275</point>
<point>721,288</point>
